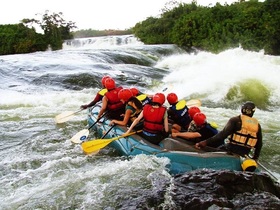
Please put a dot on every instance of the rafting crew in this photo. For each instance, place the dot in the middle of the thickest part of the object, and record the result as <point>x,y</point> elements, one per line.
<point>99,95</point>
<point>242,134</point>
<point>155,125</point>
<point>133,107</point>
<point>111,102</point>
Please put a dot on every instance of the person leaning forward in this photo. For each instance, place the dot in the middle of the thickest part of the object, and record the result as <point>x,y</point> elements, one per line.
<point>133,107</point>
<point>178,114</point>
<point>241,133</point>
<point>155,127</point>
<point>99,95</point>
<point>111,102</point>
<point>199,129</point>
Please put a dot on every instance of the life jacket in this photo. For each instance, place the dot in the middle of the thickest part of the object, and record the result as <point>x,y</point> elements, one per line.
<point>153,118</point>
<point>135,111</point>
<point>103,91</point>
<point>247,136</point>
<point>114,102</point>
<point>144,99</point>
<point>212,128</point>
<point>181,113</point>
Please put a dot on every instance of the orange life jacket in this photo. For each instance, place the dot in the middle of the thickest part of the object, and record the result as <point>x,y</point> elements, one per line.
<point>247,136</point>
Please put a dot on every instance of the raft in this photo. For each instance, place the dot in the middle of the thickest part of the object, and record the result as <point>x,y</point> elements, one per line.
<point>183,156</point>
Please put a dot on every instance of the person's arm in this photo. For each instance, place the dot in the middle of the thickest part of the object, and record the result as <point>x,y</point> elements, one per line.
<point>232,125</point>
<point>97,98</point>
<point>134,123</point>
<point>187,135</point>
<point>125,119</point>
<point>259,144</point>
<point>104,107</point>
<point>166,126</point>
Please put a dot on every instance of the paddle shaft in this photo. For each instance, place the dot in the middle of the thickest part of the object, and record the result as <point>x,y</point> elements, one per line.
<point>270,174</point>
<point>97,144</point>
<point>108,131</point>
<point>59,117</point>
<point>73,113</point>
<point>103,115</point>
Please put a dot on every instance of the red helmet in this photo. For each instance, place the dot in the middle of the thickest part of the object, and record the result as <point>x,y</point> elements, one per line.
<point>125,94</point>
<point>172,98</point>
<point>199,118</point>
<point>193,110</point>
<point>134,91</point>
<point>159,98</point>
<point>162,96</point>
<point>110,84</point>
<point>104,79</point>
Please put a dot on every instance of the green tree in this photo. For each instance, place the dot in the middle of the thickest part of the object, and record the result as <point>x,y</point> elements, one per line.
<point>17,38</point>
<point>55,28</point>
<point>253,25</point>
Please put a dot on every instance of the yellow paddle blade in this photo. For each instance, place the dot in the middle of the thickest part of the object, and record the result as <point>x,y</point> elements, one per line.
<point>193,102</point>
<point>97,144</point>
<point>92,146</point>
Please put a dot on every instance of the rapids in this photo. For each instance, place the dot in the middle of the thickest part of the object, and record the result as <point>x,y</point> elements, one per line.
<point>42,169</point>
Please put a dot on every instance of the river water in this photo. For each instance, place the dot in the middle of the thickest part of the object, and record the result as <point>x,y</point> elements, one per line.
<point>42,169</point>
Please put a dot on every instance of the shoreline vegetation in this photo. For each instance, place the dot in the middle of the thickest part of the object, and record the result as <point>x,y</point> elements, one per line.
<point>251,24</point>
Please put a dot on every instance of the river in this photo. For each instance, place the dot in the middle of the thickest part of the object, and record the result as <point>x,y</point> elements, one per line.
<point>42,169</point>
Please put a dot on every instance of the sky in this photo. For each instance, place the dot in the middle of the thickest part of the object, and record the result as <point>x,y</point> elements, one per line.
<point>91,14</point>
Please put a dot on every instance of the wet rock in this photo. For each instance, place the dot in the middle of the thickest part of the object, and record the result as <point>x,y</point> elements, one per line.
<point>208,189</point>
<point>211,189</point>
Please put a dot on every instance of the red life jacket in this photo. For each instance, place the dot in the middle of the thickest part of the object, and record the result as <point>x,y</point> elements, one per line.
<point>153,118</point>
<point>114,102</point>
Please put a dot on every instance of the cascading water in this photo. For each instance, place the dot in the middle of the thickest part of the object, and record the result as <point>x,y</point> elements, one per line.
<point>42,169</point>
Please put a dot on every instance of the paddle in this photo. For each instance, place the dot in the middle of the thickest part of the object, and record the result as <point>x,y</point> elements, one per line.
<point>65,116</point>
<point>97,144</point>
<point>269,173</point>
<point>105,134</point>
<point>193,102</point>
<point>83,134</point>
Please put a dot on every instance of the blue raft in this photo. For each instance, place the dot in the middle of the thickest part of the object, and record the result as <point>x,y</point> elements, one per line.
<point>182,154</point>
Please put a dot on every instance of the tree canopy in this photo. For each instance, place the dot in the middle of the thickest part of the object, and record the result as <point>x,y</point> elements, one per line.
<point>252,25</point>
<point>23,38</point>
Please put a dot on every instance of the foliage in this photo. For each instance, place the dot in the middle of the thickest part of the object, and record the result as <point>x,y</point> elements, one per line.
<point>16,38</point>
<point>19,38</point>
<point>55,28</point>
<point>96,33</point>
<point>250,24</point>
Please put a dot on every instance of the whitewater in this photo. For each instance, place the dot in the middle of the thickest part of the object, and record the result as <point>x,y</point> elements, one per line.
<point>42,169</point>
